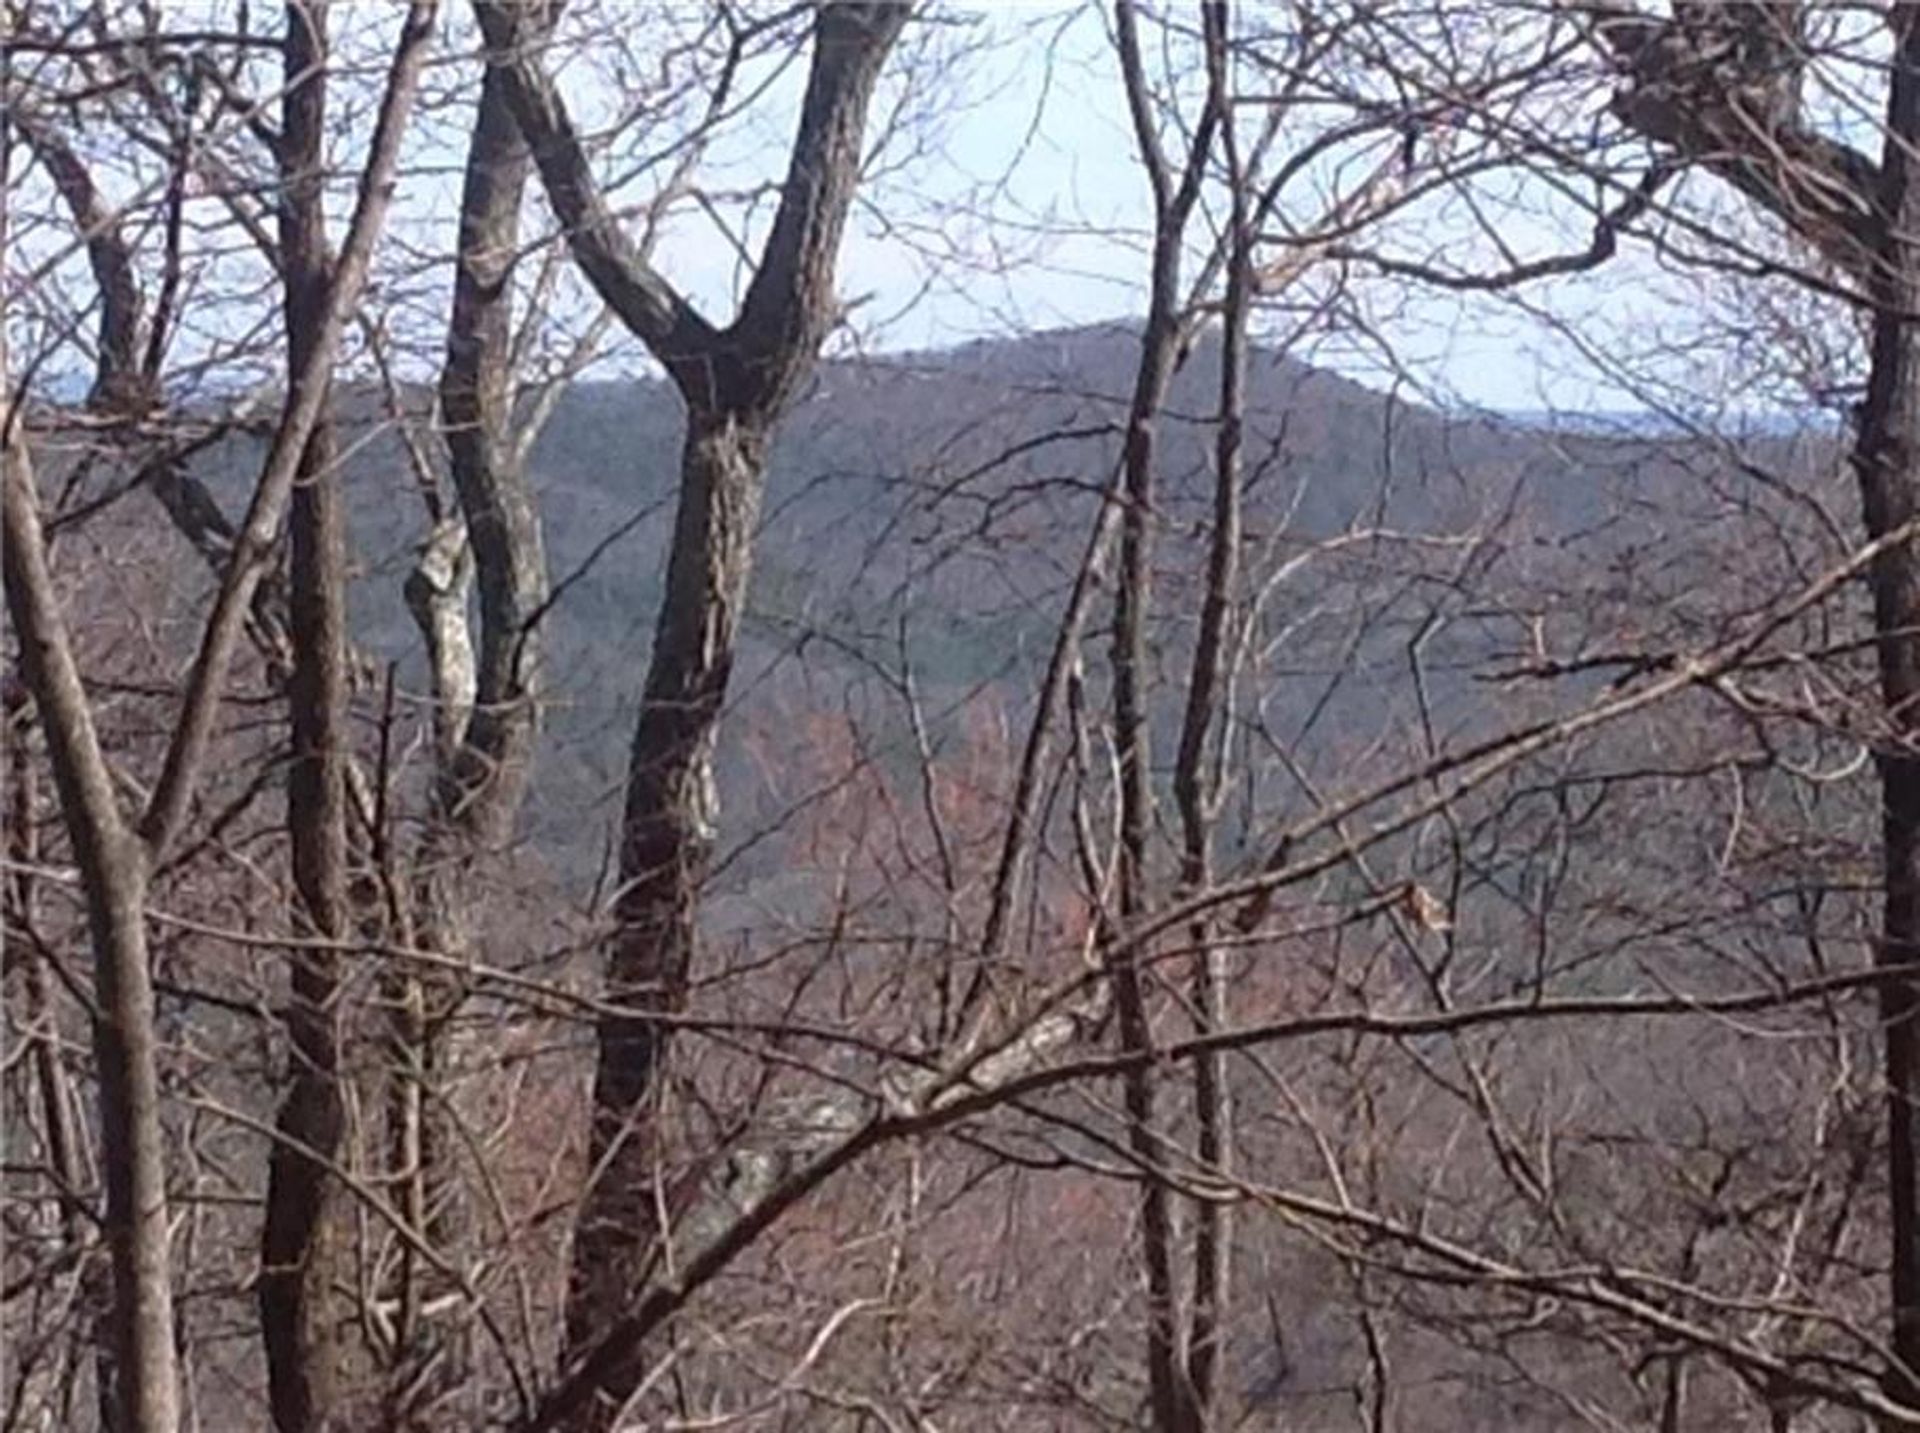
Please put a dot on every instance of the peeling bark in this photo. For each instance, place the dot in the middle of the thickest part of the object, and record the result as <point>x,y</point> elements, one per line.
<point>436,593</point>
<point>486,718</point>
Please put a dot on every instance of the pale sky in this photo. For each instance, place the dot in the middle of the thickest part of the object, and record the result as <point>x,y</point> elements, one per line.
<point>1029,210</point>
<point>1032,212</point>
<point>1013,202</point>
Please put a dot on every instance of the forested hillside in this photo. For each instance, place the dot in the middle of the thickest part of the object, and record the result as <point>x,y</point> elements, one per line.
<point>924,513</point>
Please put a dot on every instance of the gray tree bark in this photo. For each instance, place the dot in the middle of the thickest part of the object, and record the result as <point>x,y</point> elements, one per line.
<point>301,1243</point>
<point>1721,85</point>
<point>1171,1395</point>
<point>1196,782</point>
<point>113,873</point>
<point>487,717</point>
<point>736,384</point>
<point>1886,458</point>
<point>114,855</point>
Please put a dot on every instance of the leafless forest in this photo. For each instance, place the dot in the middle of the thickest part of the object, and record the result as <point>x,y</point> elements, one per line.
<point>638,796</point>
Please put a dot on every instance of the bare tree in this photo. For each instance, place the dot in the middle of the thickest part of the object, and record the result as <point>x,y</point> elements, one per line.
<point>116,855</point>
<point>1175,1400</point>
<point>736,382</point>
<point>1886,456</point>
<point>1246,897</point>
<point>301,1241</point>
<point>487,717</point>
<point>1723,87</point>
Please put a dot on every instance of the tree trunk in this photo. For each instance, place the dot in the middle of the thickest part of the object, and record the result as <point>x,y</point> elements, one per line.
<point>112,864</point>
<point>1196,783</point>
<point>115,855</point>
<point>1886,459</point>
<point>487,717</point>
<point>1170,1392</point>
<point>113,876</point>
<point>737,383</point>
<point>1865,220</point>
<point>669,827</point>
<point>300,1244</point>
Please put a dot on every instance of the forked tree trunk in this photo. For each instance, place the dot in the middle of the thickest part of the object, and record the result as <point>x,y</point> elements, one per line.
<point>114,855</point>
<point>112,869</point>
<point>737,384</point>
<point>112,863</point>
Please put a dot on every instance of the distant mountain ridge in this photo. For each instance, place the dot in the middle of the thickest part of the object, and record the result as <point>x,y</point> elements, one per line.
<point>929,508</point>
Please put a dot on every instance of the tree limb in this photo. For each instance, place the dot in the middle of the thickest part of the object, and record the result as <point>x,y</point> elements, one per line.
<point>650,307</point>
<point>1720,85</point>
<point>186,751</point>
